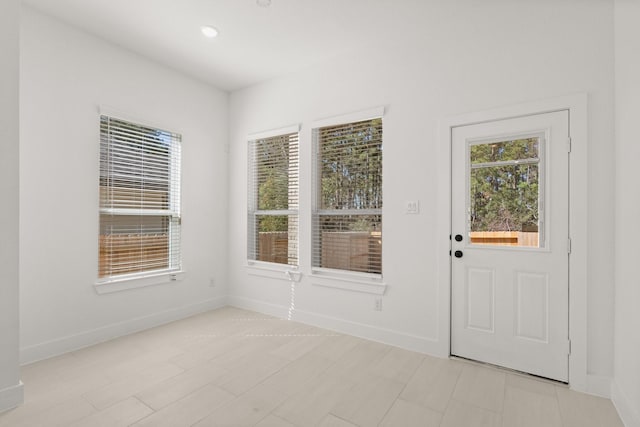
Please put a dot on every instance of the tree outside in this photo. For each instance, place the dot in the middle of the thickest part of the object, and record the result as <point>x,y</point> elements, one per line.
<point>274,181</point>
<point>351,166</point>
<point>504,186</point>
<point>275,173</point>
<point>349,222</point>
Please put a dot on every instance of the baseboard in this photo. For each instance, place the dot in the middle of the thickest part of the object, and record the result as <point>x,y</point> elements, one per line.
<point>373,333</point>
<point>11,397</point>
<point>599,385</point>
<point>628,413</point>
<point>66,344</point>
<point>274,310</point>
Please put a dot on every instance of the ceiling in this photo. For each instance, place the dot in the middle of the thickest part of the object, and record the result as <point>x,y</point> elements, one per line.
<point>255,43</point>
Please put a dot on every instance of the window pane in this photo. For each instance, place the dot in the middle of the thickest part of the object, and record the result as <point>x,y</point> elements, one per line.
<point>351,165</point>
<point>276,160</point>
<point>119,195</point>
<point>504,193</point>
<point>347,231</point>
<point>139,199</point>
<point>519,149</point>
<point>135,166</point>
<point>277,239</point>
<point>350,242</point>
<point>135,243</point>
<point>273,199</point>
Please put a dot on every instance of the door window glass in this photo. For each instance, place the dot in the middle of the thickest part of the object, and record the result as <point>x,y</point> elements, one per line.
<point>505,188</point>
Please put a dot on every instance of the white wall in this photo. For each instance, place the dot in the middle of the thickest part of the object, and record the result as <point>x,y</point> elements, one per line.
<point>626,387</point>
<point>444,59</point>
<point>66,75</point>
<point>10,386</point>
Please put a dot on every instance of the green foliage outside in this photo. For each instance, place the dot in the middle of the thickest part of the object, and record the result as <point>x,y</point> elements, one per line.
<point>351,174</point>
<point>504,195</point>
<point>272,195</point>
<point>351,171</point>
<point>273,182</point>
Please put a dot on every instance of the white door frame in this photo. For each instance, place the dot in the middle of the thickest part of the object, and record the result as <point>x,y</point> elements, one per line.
<point>577,107</point>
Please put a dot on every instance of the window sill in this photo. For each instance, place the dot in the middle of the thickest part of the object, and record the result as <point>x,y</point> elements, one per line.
<point>274,271</point>
<point>125,284</point>
<point>356,282</point>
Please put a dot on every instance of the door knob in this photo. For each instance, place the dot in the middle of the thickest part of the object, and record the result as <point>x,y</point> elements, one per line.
<point>458,254</point>
<point>458,237</point>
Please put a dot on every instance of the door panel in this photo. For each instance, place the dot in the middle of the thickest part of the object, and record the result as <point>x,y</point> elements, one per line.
<point>510,208</point>
<point>532,306</point>
<point>479,297</point>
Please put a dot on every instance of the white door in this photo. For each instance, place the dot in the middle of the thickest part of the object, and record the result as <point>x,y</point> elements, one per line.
<point>510,243</point>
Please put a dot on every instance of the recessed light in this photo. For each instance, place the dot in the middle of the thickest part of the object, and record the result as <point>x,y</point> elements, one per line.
<point>209,31</point>
<point>263,3</point>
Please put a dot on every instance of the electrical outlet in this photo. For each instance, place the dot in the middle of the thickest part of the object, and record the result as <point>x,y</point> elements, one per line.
<point>412,207</point>
<point>377,305</point>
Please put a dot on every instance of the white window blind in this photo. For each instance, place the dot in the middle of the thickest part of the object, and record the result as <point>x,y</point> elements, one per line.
<point>347,218</point>
<point>273,199</point>
<point>139,200</point>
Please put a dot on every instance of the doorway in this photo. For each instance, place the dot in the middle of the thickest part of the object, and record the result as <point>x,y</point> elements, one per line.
<point>510,243</point>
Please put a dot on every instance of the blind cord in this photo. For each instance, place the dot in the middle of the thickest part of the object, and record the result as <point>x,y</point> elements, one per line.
<point>294,277</point>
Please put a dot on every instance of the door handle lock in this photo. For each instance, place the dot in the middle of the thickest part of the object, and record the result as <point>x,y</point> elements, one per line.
<point>458,254</point>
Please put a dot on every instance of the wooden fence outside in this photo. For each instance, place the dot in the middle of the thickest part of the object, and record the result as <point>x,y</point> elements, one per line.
<point>273,246</point>
<point>362,250</point>
<point>505,238</point>
<point>344,250</point>
<point>122,254</point>
<point>352,250</point>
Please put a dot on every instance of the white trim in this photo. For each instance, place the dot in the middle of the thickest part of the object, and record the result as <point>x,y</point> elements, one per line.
<point>134,282</point>
<point>272,270</point>
<point>133,211</point>
<point>11,397</point>
<point>348,275</point>
<point>69,343</point>
<point>628,413</point>
<point>274,132</point>
<point>358,116</point>
<point>351,285</point>
<point>337,279</point>
<point>105,110</point>
<point>577,106</point>
<point>276,212</point>
<point>341,212</point>
<point>599,385</point>
<point>348,280</point>
<point>403,340</point>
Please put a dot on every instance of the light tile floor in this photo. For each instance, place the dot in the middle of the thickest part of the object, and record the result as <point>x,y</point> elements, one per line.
<point>232,367</point>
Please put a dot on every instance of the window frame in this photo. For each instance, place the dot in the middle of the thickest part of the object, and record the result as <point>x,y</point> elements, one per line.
<point>173,212</point>
<point>260,267</point>
<point>540,162</point>
<point>330,277</point>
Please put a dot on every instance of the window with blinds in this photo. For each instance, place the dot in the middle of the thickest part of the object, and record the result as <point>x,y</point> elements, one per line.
<point>273,199</point>
<point>347,218</point>
<point>139,200</point>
